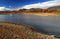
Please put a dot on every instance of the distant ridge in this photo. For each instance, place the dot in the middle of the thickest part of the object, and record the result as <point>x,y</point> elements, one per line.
<point>54,7</point>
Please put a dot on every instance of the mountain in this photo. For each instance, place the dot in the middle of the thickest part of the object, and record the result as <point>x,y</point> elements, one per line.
<point>54,7</point>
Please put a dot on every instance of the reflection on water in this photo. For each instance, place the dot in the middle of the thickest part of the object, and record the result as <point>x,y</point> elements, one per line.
<point>44,24</point>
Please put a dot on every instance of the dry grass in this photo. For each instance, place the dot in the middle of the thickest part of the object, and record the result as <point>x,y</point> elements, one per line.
<point>44,14</point>
<point>20,31</point>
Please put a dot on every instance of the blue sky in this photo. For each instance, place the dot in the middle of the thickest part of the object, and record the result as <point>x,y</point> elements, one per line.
<point>18,3</point>
<point>27,4</point>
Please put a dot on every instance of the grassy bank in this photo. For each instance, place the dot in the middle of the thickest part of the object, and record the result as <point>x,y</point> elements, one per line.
<point>20,31</point>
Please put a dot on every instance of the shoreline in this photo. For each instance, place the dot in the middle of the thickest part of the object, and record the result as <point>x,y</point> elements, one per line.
<point>12,30</point>
<point>38,14</point>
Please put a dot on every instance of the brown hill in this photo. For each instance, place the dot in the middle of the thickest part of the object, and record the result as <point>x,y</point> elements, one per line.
<point>20,31</point>
<point>52,11</point>
<point>22,11</point>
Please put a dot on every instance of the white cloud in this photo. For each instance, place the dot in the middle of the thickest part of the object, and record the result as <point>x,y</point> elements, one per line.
<point>6,9</point>
<point>43,5</point>
<point>3,9</point>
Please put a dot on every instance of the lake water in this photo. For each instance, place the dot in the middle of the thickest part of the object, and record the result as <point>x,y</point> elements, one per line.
<point>45,24</point>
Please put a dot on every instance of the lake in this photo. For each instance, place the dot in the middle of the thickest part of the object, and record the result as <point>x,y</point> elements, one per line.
<point>44,24</point>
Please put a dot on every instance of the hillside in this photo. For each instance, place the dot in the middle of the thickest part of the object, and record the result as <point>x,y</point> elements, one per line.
<point>20,31</point>
<point>52,11</point>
